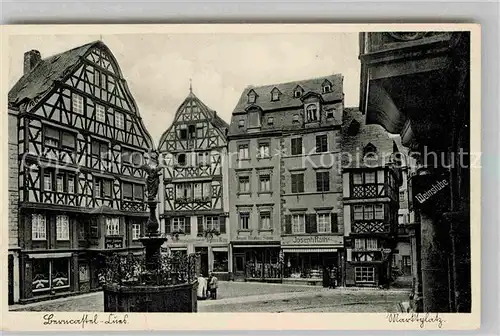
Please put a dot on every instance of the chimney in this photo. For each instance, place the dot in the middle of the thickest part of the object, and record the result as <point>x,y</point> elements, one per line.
<point>31,59</point>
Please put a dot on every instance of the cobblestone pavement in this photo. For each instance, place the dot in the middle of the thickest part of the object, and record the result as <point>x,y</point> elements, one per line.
<point>255,297</point>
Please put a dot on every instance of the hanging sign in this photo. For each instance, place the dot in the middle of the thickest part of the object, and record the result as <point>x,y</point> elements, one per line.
<point>431,193</point>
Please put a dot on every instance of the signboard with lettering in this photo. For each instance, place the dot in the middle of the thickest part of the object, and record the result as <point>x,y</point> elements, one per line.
<point>255,238</point>
<point>312,240</point>
<point>431,193</point>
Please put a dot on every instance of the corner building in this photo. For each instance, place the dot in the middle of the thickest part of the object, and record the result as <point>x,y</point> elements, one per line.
<point>285,188</point>
<point>76,148</point>
<point>194,202</point>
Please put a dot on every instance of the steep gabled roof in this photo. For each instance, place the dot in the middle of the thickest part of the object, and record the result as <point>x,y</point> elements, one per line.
<point>287,98</point>
<point>42,77</point>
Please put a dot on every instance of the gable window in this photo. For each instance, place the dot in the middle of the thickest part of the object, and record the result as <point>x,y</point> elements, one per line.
<point>38,227</point>
<point>60,183</point>
<point>323,181</point>
<point>298,224</point>
<point>100,113</point>
<point>200,131</point>
<point>275,95</point>
<point>270,121</point>
<point>102,188</point>
<point>264,150</point>
<point>47,181</point>
<point>265,183</point>
<point>296,146</point>
<point>62,227</point>
<point>312,113</point>
<point>99,149</point>
<point>244,183</point>
<point>241,123</point>
<point>183,134</point>
<point>321,143</point>
<point>119,120</point>
<point>244,220</point>
<point>179,224</point>
<point>265,220</point>
<point>77,103</point>
<point>297,183</point>
<point>324,222</point>
<point>327,86</point>
<point>295,119</point>
<point>136,231</point>
<point>112,226</point>
<point>243,152</point>
<point>252,97</point>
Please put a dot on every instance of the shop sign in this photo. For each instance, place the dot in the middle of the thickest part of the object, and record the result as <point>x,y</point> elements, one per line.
<point>254,238</point>
<point>431,193</point>
<point>212,240</point>
<point>312,240</point>
<point>386,250</point>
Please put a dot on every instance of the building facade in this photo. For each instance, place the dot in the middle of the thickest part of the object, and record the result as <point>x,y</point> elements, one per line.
<point>194,196</point>
<point>371,181</point>
<point>79,143</point>
<point>286,212</point>
<point>417,84</point>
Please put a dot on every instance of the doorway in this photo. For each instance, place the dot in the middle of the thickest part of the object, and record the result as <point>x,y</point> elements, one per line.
<point>239,266</point>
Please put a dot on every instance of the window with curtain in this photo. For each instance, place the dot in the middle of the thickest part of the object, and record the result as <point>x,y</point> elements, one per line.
<point>62,227</point>
<point>38,227</point>
<point>298,223</point>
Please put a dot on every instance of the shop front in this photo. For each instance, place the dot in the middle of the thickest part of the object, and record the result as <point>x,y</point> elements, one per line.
<point>312,259</point>
<point>257,262</point>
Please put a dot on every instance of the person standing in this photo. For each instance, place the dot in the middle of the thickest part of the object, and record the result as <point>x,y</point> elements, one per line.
<point>213,286</point>
<point>202,288</point>
<point>333,277</point>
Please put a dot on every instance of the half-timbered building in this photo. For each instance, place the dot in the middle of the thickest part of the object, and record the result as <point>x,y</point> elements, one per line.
<point>80,144</point>
<point>194,200</point>
<point>371,180</point>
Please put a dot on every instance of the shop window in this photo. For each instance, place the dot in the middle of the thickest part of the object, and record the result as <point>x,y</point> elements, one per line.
<point>50,274</point>
<point>220,261</point>
<point>296,146</point>
<point>244,220</point>
<point>38,227</point>
<point>136,231</point>
<point>364,274</point>
<point>321,143</point>
<point>62,227</point>
<point>113,226</point>
<point>298,224</point>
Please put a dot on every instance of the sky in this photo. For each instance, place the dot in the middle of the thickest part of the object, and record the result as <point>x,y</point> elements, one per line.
<point>158,67</point>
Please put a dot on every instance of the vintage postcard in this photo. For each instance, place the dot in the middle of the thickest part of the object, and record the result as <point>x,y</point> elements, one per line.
<point>309,176</point>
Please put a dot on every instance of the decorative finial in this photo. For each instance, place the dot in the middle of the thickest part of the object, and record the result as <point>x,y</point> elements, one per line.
<point>190,85</point>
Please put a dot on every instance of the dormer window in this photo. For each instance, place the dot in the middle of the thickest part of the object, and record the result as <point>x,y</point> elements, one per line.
<point>297,93</point>
<point>252,97</point>
<point>270,121</point>
<point>295,119</point>
<point>275,94</point>
<point>312,113</point>
<point>241,123</point>
<point>327,86</point>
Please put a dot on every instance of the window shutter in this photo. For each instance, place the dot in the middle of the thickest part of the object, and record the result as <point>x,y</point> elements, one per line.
<point>294,183</point>
<point>308,223</point>
<point>313,224</point>
<point>168,222</point>
<point>187,225</point>
<point>222,224</point>
<point>335,223</point>
<point>200,225</point>
<point>288,224</point>
<point>301,183</point>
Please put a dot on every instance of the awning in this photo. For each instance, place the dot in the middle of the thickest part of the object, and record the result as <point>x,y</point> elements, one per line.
<point>49,255</point>
<point>308,250</point>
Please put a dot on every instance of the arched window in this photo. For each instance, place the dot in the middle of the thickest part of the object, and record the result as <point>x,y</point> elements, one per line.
<point>369,149</point>
<point>312,113</point>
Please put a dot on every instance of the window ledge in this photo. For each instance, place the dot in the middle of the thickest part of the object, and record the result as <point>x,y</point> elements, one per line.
<point>243,159</point>
<point>265,230</point>
<point>244,230</point>
<point>265,192</point>
<point>244,193</point>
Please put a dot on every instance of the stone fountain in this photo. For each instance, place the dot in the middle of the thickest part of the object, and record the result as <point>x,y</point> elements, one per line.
<point>155,292</point>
